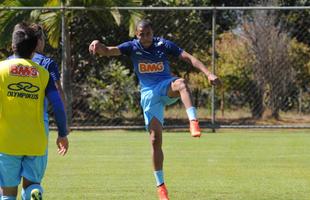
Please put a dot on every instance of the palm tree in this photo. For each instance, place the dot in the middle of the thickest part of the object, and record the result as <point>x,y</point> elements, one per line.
<point>56,21</point>
<point>51,19</point>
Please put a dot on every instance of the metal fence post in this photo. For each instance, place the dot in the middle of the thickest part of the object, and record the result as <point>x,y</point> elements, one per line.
<point>65,64</point>
<point>213,70</point>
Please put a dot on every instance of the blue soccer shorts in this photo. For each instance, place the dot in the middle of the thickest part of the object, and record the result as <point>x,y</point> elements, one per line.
<point>153,101</point>
<point>12,168</point>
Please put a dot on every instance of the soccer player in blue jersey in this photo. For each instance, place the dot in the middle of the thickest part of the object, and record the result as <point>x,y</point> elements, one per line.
<point>23,137</point>
<point>158,87</point>
<point>47,62</point>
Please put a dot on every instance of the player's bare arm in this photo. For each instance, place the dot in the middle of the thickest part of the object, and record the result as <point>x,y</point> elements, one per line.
<point>96,47</point>
<point>213,79</point>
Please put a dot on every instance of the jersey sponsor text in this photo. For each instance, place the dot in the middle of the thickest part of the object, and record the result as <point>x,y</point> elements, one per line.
<point>19,70</point>
<point>151,67</point>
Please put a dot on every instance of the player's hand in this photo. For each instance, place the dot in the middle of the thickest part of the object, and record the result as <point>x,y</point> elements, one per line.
<point>63,145</point>
<point>95,47</point>
<point>214,80</point>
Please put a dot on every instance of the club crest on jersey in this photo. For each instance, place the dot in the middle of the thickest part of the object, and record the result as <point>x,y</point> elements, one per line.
<point>19,70</point>
<point>151,67</point>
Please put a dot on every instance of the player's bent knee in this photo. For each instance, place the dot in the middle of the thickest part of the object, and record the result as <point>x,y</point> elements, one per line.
<point>180,84</point>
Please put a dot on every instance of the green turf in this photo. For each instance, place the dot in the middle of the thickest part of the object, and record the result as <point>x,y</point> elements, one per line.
<point>116,165</point>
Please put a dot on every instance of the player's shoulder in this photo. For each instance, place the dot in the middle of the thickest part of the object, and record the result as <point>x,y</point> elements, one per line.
<point>43,60</point>
<point>3,64</point>
<point>19,61</point>
<point>36,65</point>
<point>160,41</point>
<point>127,45</point>
<point>133,42</point>
<point>39,56</point>
<point>22,63</point>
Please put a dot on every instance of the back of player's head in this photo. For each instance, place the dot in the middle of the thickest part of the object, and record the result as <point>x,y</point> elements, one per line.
<point>38,30</point>
<point>144,23</point>
<point>24,40</point>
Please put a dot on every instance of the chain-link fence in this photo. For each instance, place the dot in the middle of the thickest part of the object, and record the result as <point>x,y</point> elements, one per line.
<point>260,54</point>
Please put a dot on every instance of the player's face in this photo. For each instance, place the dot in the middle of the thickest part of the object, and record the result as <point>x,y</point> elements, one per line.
<point>145,36</point>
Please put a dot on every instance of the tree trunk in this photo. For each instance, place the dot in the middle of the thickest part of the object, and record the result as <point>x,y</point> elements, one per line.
<point>66,66</point>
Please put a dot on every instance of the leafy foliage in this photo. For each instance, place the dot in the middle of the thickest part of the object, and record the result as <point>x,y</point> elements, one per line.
<point>234,67</point>
<point>112,93</point>
<point>191,30</point>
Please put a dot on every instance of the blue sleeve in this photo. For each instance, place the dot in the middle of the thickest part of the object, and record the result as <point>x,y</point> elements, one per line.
<point>53,70</point>
<point>172,48</point>
<point>58,107</point>
<point>50,86</point>
<point>125,48</point>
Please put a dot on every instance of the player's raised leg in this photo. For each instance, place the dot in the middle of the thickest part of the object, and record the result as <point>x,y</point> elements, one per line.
<point>155,129</point>
<point>180,88</point>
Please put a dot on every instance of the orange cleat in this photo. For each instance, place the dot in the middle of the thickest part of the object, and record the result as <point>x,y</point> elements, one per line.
<point>194,128</point>
<point>162,192</point>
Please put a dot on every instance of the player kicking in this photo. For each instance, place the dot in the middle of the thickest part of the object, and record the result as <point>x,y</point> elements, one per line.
<point>158,87</point>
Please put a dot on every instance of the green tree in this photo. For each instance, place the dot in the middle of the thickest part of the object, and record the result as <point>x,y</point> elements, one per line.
<point>113,94</point>
<point>296,22</point>
<point>234,61</point>
<point>300,59</point>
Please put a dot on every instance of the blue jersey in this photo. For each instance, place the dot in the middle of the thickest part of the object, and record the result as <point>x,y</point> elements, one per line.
<point>52,68</point>
<point>48,64</point>
<point>151,65</point>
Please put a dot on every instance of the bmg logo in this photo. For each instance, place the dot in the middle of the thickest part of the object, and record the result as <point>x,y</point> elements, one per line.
<point>151,67</point>
<point>18,70</point>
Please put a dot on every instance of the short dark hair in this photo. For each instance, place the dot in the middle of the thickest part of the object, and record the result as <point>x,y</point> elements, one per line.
<point>144,23</point>
<point>24,40</point>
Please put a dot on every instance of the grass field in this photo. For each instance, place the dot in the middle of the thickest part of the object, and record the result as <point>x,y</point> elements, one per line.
<point>228,165</point>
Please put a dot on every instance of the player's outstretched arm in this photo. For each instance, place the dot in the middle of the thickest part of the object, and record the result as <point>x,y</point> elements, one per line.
<point>213,79</point>
<point>96,47</point>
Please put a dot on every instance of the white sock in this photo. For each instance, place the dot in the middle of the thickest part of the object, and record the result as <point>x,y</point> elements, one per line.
<point>191,113</point>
